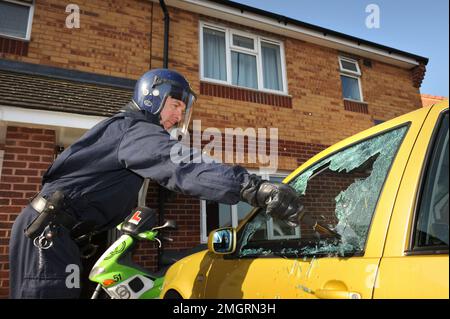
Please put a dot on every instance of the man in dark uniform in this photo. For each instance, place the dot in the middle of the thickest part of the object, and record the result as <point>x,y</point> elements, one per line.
<point>100,175</point>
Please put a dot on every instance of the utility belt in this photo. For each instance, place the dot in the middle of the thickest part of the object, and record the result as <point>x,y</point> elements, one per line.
<point>52,215</point>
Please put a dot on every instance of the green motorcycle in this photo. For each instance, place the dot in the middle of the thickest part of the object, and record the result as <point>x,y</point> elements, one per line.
<point>116,274</point>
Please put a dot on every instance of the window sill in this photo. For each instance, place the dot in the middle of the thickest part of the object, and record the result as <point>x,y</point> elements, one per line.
<point>13,46</point>
<point>246,95</point>
<point>12,37</point>
<point>356,106</point>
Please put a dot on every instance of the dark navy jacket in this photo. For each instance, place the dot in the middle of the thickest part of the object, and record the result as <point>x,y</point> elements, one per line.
<point>102,173</point>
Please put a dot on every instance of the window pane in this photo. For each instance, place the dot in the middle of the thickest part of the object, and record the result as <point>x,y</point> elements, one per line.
<point>217,215</point>
<point>350,88</point>
<point>243,209</point>
<point>244,42</point>
<point>271,62</point>
<point>281,230</point>
<point>13,19</point>
<point>244,70</point>
<point>432,224</point>
<point>349,66</point>
<point>214,61</point>
<point>341,192</point>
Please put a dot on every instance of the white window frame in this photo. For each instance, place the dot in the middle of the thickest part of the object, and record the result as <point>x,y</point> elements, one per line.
<point>352,74</point>
<point>227,55</point>
<point>2,155</point>
<point>243,49</point>
<point>229,32</point>
<point>253,52</point>
<point>343,70</point>
<point>234,213</point>
<point>30,20</point>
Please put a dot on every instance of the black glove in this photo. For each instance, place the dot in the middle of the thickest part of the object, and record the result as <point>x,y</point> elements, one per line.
<point>281,200</point>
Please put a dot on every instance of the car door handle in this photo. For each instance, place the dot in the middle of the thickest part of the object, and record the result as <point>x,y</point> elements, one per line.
<point>336,294</point>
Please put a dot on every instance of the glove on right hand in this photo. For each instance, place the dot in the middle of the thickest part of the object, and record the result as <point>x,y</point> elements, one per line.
<point>281,200</point>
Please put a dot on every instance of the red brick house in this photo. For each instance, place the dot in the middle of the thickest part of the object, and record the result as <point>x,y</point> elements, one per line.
<point>429,100</point>
<point>251,68</point>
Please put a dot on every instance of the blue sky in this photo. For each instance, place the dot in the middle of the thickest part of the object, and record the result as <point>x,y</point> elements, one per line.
<point>415,26</point>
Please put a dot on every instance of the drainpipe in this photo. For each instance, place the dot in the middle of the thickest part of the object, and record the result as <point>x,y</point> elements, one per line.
<point>164,195</point>
<point>166,34</point>
<point>161,202</point>
<point>162,192</point>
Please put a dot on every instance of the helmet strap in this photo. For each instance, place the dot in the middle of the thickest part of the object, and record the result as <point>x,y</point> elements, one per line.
<point>131,106</point>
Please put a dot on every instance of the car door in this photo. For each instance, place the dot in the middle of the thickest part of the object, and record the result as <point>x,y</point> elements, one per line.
<point>415,262</point>
<point>351,188</point>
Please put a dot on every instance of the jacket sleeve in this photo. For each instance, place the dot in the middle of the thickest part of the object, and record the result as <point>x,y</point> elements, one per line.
<point>149,151</point>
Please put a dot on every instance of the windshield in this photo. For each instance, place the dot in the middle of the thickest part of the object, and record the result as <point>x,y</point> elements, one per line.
<point>341,192</point>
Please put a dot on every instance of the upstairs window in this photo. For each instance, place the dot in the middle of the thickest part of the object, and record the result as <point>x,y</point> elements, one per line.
<point>243,62</point>
<point>350,79</point>
<point>16,18</point>
<point>241,59</point>
<point>214,52</point>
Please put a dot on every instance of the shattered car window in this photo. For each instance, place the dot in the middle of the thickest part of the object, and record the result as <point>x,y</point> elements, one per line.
<point>340,192</point>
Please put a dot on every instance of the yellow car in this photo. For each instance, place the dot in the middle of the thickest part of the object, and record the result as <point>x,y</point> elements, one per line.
<point>383,193</point>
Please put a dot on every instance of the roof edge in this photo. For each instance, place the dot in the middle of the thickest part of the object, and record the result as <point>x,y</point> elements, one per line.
<point>285,19</point>
<point>297,23</point>
<point>66,74</point>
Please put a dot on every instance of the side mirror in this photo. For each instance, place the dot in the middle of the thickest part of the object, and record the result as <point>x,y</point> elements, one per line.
<point>169,224</point>
<point>222,241</point>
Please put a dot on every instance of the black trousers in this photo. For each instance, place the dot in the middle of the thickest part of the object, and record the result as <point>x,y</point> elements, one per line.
<point>42,273</point>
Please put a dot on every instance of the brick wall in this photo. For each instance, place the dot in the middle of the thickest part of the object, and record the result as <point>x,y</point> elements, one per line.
<point>113,38</point>
<point>28,153</point>
<point>319,200</point>
<point>185,210</point>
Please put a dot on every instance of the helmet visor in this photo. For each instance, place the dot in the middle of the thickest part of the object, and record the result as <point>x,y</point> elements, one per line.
<point>183,124</point>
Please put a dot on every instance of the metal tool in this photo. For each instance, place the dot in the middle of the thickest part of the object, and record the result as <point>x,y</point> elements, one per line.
<point>317,226</point>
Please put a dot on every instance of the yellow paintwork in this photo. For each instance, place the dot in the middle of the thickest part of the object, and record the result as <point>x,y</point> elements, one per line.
<point>400,275</point>
<point>383,272</point>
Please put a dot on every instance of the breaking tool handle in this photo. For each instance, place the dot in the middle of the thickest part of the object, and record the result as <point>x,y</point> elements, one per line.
<point>317,226</point>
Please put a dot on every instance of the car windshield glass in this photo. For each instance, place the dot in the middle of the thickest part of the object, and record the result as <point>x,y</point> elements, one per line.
<point>341,192</point>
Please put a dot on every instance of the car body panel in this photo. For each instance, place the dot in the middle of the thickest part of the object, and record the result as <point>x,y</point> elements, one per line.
<point>188,275</point>
<point>290,278</point>
<point>324,277</point>
<point>328,277</point>
<point>403,274</point>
